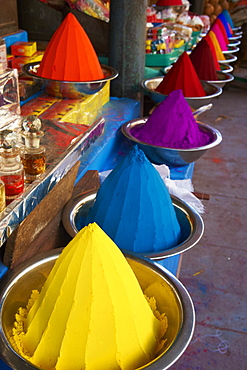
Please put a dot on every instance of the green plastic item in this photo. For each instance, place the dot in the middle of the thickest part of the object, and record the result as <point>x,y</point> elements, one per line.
<point>163,60</point>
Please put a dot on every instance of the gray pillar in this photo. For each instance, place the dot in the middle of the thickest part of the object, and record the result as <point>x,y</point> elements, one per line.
<point>127,46</point>
<point>197,6</point>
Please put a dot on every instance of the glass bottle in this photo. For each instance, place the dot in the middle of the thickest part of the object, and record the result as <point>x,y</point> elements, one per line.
<point>3,55</point>
<point>2,196</point>
<point>11,168</point>
<point>33,154</point>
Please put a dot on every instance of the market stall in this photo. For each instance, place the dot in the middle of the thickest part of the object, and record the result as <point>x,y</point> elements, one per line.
<point>93,142</point>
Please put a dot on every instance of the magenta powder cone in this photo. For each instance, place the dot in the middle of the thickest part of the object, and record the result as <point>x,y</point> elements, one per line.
<point>172,125</point>
<point>216,29</point>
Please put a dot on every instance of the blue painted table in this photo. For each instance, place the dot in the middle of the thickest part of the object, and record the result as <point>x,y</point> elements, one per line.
<point>106,153</point>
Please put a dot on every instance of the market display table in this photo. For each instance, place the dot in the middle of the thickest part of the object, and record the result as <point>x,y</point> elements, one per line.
<point>102,154</point>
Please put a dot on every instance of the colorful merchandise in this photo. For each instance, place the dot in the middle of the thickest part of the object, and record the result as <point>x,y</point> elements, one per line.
<point>203,61</point>
<point>169,2</point>
<point>213,52</point>
<point>182,76</point>
<point>70,55</point>
<point>226,24</point>
<point>134,207</point>
<point>212,36</point>
<point>172,125</point>
<point>90,311</point>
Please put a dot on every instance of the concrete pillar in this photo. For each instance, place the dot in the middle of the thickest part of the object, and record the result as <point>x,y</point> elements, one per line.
<point>127,46</point>
<point>197,6</point>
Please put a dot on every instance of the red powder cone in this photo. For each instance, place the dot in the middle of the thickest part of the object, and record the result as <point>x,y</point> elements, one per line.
<point>203,61</point>
<point>182,76</point>
<point>70,55</point>
<point>216,29</point>
<point>169,2</point>
<point>213,52</point>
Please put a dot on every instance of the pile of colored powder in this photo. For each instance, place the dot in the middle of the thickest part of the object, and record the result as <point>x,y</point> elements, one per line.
<point>218,30</point>
<point>226,24</point>
<point>133,206</point>
<point>213,39</point>
<point>228,18</point>
<point>91,312</point>
<point>213,52</point>
<point>172,125</point>
<point>203,61</point>
<point>182,76</point>
<point>169,3</point>
<point>70,55</point>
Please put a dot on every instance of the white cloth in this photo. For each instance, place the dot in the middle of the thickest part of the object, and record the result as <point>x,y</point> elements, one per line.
<point>181,189</point>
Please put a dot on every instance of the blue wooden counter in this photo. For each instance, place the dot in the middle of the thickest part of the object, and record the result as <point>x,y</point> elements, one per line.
<point>106,152</point>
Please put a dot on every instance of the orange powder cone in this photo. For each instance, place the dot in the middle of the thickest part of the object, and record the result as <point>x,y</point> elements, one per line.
<point>182,76</point>
<point>220,55</point>
<point>70,55</point>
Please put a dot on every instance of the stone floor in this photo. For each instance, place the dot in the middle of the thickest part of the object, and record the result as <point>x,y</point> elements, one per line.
<point>214,271</point>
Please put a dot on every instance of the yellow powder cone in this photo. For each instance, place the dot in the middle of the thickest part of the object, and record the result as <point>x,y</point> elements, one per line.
<point>219,54</point>
<point>91,311</point>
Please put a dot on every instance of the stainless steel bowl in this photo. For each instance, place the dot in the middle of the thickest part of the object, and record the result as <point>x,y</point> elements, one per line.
<point>226,68</point>
<point>223,77</point>
<point>69,89</point>
<point>229,58</point>
<point>169,156</point>
<point>237,34</point>
<point>231,50</point>
<point>234,43</point>
<point>171,296</point>
<point>212,91</point>
<point>191,223</point>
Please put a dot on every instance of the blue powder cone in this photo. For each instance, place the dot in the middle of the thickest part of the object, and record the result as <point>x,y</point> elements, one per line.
<point>134,207</point>
<point>225,23</point>
<point>228,17</point>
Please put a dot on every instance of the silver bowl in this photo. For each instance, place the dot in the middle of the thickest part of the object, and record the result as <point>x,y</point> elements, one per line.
<point>212,91</point>
<point>223,77</point>
<point>229,58</point>
<point>237,34</point>
<point>69,89</point>
<point>230,50</point>
<point>171,296</point>
<point>169,156</point>
<point>234,43</point>
<point>226,68</point>
<point>191,223</point>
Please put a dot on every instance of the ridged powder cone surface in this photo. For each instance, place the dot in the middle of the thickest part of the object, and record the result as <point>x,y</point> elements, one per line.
<point>172,125</point>
<point>203,61</point>
<point>134,207</point>
<point>183,76</point>
<point>70,55</point>
<point>91,313</point>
